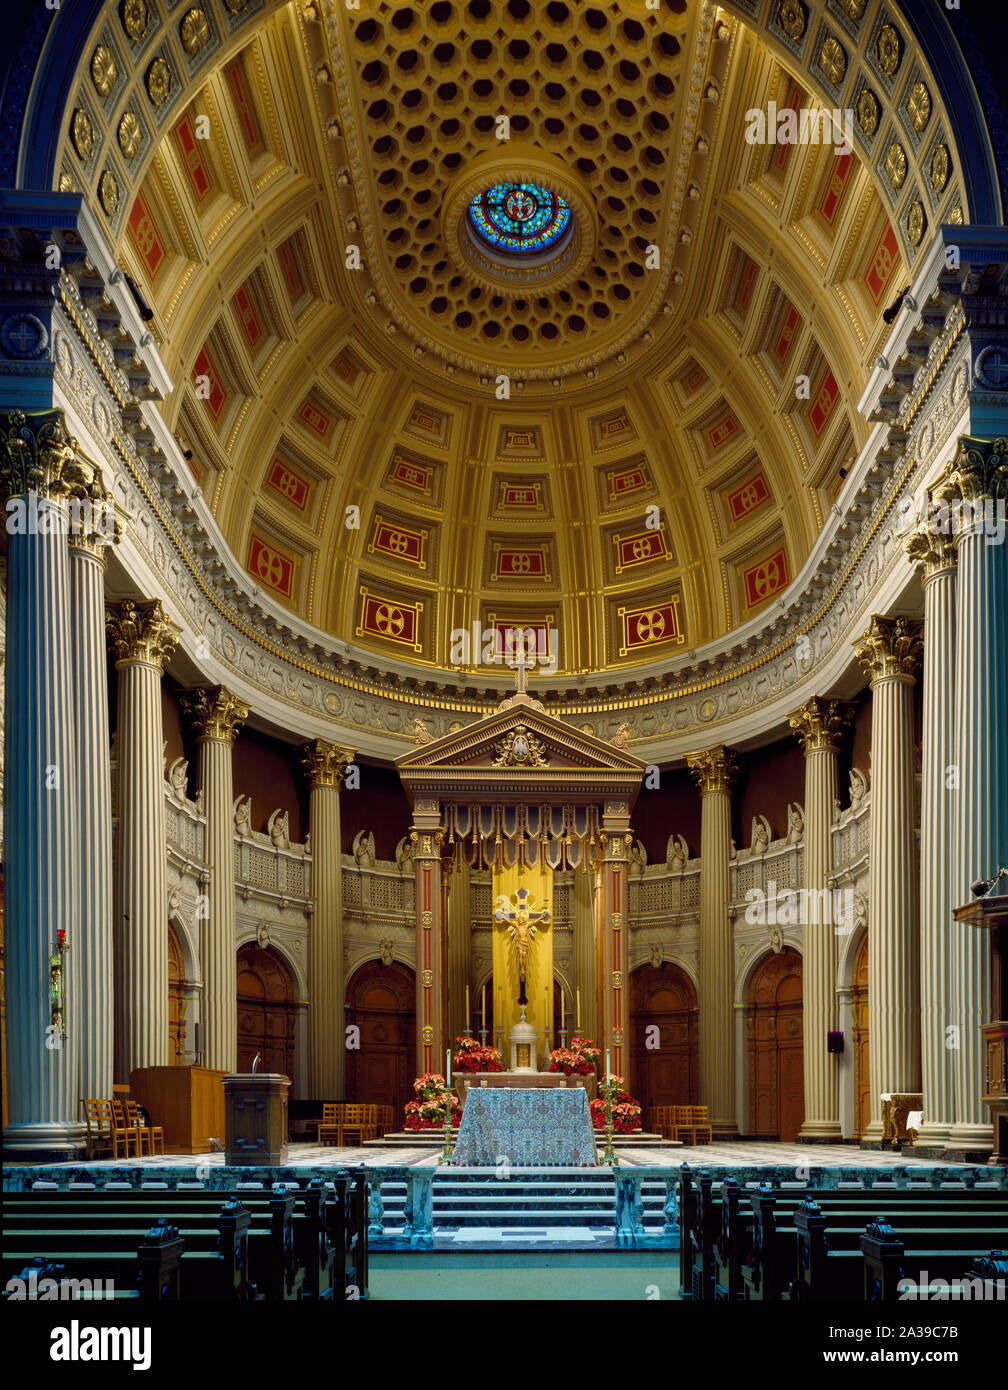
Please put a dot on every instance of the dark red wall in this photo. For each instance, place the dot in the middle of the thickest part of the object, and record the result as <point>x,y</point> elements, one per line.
<point>673,807</point>
<point>379,805</point>
<point>770,778</point>
<point>267,770</point>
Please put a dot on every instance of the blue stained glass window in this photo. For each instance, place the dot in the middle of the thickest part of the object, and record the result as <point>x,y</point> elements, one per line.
<point>519,217</point>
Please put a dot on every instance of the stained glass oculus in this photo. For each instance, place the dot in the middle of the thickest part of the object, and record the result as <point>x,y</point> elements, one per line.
<point>519,218</point>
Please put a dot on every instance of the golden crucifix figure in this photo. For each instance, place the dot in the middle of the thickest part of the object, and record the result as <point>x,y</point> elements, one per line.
<point>522,923</point>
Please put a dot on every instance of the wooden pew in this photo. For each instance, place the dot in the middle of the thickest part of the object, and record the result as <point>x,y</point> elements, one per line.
<point>687,1218</point>
<point>703,1234</point>
<point>891,1261</point>
<point>150,1276</point>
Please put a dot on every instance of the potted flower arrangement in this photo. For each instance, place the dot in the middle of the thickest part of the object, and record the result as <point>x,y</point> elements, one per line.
<point>579,1060</point>
<point>470,1056</point>
<point>428,1110</point>
<point>626,1112</point>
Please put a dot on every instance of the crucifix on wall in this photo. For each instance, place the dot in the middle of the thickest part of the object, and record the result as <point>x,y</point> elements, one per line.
<point>522,922</point>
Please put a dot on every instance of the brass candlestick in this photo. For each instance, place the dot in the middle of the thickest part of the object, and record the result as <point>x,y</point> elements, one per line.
<point>483,1037</point>
<point>609,1089</point>
<point>448,1150</point>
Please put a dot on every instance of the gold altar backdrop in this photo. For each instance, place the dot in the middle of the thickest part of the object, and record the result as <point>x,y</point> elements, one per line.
<point>538,881</point>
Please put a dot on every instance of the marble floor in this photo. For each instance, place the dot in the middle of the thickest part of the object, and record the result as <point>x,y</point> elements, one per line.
<point>743,1153</point>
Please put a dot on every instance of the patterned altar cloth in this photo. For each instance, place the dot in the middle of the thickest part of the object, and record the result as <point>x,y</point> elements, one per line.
<point>549,1128</point>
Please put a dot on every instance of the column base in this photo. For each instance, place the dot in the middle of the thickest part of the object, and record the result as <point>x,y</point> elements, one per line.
<point>930,1143</point>
<point>969,1144</point>
<point>44,1143</point>
<point>820,1132</point>
<point>872,1137</point>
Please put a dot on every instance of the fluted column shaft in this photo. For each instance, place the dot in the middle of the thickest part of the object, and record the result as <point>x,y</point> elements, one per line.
<point>459,951</point>
<point>41,830</point>
<point>325,764</point>
<point>612,936</point>
<point>142,638</point>
<point>820,724</point>
<point>714,772</point>
<point>977,481</point>
<point>890,652</point>
<point>584,950</point>
<point>87,590</point>
<point>426,837</point>
<point>935,557</point>
<point>217,716</point>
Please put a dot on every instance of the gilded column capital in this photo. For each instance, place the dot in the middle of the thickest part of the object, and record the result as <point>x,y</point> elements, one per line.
<point>325,763</point>
<point>978,471</point>
<point>891,648</point>
<point>821,724</point>
<point>141,632</point>
<point>40,457</point>
<point>930,552</point>
<point>214,712</point>
<point>714,770</point>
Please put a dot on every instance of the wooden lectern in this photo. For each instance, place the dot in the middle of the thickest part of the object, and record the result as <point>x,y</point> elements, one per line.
<point>991,914</point>
<point>187,1102</point>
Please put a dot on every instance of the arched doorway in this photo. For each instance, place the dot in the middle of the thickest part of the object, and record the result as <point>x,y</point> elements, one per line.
<point>381,1001</point>
<point>176,1000</point>
<point>774,1029</point>
<point>859,1014</point>
<point>267,1002</point>
<point>663,996</point>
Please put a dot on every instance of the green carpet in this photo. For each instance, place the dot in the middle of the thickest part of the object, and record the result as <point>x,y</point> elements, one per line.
<point>633,1275</point>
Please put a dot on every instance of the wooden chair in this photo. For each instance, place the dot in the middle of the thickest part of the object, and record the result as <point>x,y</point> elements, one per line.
<point>682,1124</point>
<point>328,1130</point>
<point>661,1120</point>
<point>98,1118</point>
<point>123,1132</point>
<point>354,1121</point>
<point>386,1120</point>
<point>150,1135</point>
<point>701,1125</point>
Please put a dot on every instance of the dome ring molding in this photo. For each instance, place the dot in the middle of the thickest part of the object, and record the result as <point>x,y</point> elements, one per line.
<point>506,275</point>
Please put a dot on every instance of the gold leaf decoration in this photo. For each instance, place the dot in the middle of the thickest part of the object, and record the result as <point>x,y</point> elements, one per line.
<point>194,31</point>
<point>896,165</point>
<point>129,134</point>
<point>868,112</point>
<point>103,70</point>
<point>919,106</point>
<point>939,168</point>
<point>833,60</point>
<point>854,9</point>
<point>888,50</point>
<point>108,192</point>
<point>792,18</point>
<point>159,82</point>
<point>136,17</point>
<point>82,133</point>
<point>916,222</point>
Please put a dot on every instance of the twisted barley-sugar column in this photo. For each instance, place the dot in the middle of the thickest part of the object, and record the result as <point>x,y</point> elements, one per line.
<point>977,480</point>
<point>216,716</point>
<point>934,556</point>
<point>38,467</point>
<point>820,725</point>
<point>326,764</point>
<point>890,651</point>
<point>142,639</point>
<point>88,543</point>
<point>714,772</point>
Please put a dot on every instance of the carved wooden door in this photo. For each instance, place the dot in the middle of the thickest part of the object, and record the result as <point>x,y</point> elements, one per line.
<point>176,1001</point>
<point>266,1013</point>
<point>774,1029</point>
<point>662,998</point>
<point>381,1002</point>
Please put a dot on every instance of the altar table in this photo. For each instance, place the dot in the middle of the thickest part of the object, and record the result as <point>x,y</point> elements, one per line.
<point>527,1128</point>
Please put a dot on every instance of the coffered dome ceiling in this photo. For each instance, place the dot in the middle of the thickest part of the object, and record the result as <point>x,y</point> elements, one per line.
<point>489,311</point>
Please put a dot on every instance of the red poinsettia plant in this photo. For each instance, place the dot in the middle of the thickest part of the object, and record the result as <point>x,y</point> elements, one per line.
<point>470,1056</point>
<point>626,1112</point>
<point>428,1110</point>
<point>580,1059</point>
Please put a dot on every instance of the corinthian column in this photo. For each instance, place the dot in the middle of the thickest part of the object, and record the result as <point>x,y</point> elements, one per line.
<point>88,542</point>
<point>584,947</point>
<point>326,765</point>
<point>38,469</point>
<point>820,724</point>
<point>216,716</point>
<point>976,482</point>
<point>612,934</point>
<point>142,639</point>
<point>890,650</point>
<point>459,937</point>
<point>714,771</point>
<point>934,556</point>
